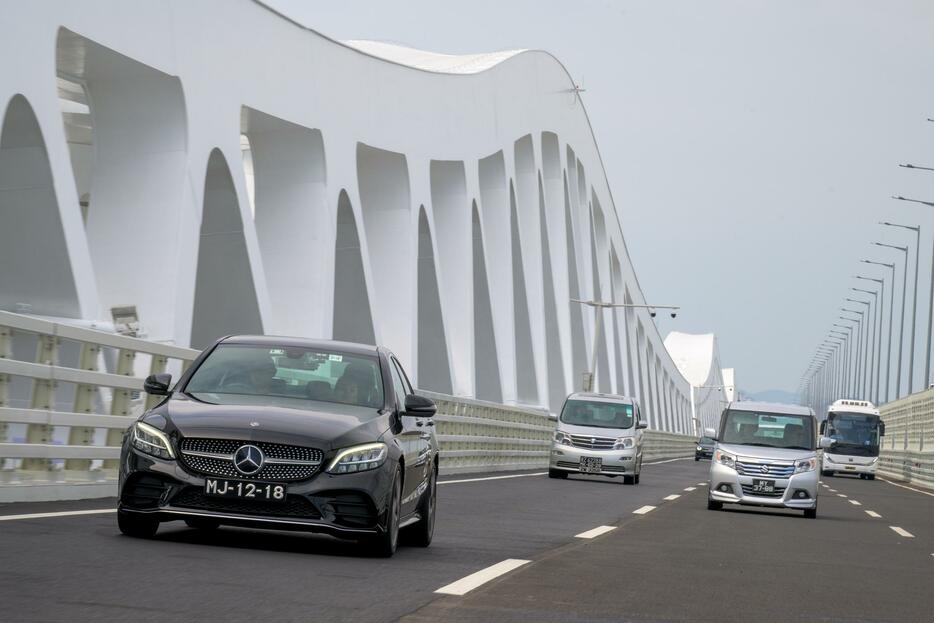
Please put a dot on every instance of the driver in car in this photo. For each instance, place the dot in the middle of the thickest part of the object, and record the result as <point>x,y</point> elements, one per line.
<point>353,387</point>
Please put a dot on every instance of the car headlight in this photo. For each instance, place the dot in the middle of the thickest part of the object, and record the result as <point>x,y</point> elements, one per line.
<point>359,459</point>
<point>725,458</point>
<point>562,438</point>
<point>152,441</point>
<point>700,449</point>
<point>624,443</point>
<point>805,465</point>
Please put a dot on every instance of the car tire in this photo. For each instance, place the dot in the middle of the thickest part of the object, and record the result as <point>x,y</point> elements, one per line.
<point>826,472</point>
<point>870,476</point>
<point>696,458</point>
<point>810,513</point>
<point>629,480</point>
<point>421,532</point>
<point>637,478</point>
<point>201,523</point>
<point>384,544</point>
<point>137,526</point>
<point>557,473</point>
<point>713,505</point>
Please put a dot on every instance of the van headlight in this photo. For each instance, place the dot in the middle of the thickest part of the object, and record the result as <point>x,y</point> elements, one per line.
<point>725,458</point>
<point>562,438</point>
<point>152,441</point>
<point>624,443</point>
<point>805,465</point>
<point>359,459</point>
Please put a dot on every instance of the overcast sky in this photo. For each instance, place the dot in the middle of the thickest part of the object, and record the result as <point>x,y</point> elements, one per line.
<point>751,146</point>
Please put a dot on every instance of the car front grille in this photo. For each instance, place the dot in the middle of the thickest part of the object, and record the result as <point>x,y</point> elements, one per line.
<point>779,492</point>
<point>294,505</point>
<point>592,443</point>
<point>283,463</point>
<point>773,470</point>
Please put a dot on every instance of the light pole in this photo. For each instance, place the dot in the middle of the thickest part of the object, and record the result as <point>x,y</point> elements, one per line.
<point>838,362</point>
<point>845,358</point>
<point>859,349</point>
<point>881,283</point>
<point>867,353</point>
<point>914,299</point>
<point>927,350</point>
<point>599,306</point>
<point>901,324</point>
<point>888,354</point>
<point>876,330</point>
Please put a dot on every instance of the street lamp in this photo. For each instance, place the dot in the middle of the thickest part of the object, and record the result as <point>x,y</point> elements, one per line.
<point>901,324</point>
<point>847,355</point>
<point>880,297</point>
<point>927,358</point>
<point>867,350</point>
<point>914,299</point>
<point>888,354</point>
<point>914,166</point>
<point>857,360</point>
<point>599,306</point>
<point>876,330</point>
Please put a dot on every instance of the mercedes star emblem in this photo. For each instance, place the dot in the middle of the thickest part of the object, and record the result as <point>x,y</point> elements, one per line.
<point>248,460</point>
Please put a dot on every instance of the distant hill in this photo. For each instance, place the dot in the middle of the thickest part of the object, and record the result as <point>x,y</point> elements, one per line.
<point>772,395</point>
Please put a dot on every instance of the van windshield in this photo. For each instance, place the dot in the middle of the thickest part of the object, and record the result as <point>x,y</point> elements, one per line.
<point>597,414</point>
<point>770,430</point>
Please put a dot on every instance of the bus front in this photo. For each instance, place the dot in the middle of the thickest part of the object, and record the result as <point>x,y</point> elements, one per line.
<point>856,430</point>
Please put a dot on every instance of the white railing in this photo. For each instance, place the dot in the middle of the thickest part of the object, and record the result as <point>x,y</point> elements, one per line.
<point>908,446</point>
<point>67,394</point>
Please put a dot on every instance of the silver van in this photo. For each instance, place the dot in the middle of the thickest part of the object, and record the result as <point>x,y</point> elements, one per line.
<point>599,434</point>
<point>765,455</point>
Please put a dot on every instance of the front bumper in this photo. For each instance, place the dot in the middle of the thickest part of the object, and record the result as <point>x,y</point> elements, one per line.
<point>615,462</point>
<point>721,475</point>
<point>345,505</point>
<point>845,467</point>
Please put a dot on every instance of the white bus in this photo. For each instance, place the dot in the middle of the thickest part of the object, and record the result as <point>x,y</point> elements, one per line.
<point>856,430</point>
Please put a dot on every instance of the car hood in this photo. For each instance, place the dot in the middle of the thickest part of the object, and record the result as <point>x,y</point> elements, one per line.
<point>593,431</point>
<point>759,452</point>
<point>321,425</point>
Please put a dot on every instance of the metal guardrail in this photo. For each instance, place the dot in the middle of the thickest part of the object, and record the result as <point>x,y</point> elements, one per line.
<point>82,389</point>
<point>907,451</point>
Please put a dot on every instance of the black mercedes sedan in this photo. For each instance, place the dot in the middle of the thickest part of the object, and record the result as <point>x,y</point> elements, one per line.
<point>285,433</point>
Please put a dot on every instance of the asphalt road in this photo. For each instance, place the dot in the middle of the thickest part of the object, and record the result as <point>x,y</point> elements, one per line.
<point>673,561</point>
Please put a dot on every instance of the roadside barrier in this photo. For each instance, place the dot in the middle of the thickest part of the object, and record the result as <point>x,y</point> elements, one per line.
<point>907,451</point>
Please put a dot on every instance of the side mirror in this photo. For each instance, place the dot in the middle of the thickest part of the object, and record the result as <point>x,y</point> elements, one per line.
<point>709,432</point>
<point>882,429</point>
<point>642,425</point>
<point>823,426</point>
<point>157,384</point>
<point>553,417</point>
<point>419,406</point>
<point>826,443</point>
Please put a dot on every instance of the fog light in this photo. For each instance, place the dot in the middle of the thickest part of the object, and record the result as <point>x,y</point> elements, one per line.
<point>725,488</point>
<point>801,494</point>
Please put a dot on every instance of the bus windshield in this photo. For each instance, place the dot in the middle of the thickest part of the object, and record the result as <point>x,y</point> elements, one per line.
<point>856,434</point>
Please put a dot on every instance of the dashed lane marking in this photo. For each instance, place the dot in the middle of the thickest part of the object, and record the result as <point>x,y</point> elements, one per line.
<point>902,532</point>
<point>590,534</point>
<point>855,503</point>
<point>673,496</point>
<point>643,510</point>
<point>691,489</point>
<point>98,511</point>
<point>454,482</point>
<point>472,581</point>
<point>840,495</point>
<point>874,514</point>
<point>895,484</point>
<point>702,484</point>
<point>832,490</point>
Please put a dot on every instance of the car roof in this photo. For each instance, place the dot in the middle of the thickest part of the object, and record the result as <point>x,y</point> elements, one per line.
<point>602,397</point>
<point>350,348</point>
<point>770,407</point>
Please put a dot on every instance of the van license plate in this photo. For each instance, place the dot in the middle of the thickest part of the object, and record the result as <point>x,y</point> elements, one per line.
<point>851,467</point>
<point>763,486</point>
<point>591,465</point>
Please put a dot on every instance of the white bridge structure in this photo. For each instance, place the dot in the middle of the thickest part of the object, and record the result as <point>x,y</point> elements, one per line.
<point>226,170</point>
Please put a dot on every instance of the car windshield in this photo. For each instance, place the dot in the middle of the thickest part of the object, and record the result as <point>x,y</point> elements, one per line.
<point>597,414</point>
<point>706,441</point>
<point>290,372</point>
<point>771,430</point>
<point>857,429</point>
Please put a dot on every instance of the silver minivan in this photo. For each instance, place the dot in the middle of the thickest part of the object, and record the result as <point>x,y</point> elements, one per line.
<point>598,434</point>
<point>765,455</point>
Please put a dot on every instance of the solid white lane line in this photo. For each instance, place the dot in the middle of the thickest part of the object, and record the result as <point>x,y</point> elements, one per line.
<point>643,510</point>
<point>902,532</point>
<point>855,503</point>
<point>874,514</point>
<point>840,495</point>
<point>673,496</point>
<point>895,484</point>
<point>590,534</point>
<point>472,581</point>
<point>685,458</point>
<point>98,511</point>
<point>454,482</point>
<point>691,489</point>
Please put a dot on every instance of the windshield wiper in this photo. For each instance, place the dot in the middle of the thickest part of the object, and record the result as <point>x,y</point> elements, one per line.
<point>797,448</point>
<point>761,445</point>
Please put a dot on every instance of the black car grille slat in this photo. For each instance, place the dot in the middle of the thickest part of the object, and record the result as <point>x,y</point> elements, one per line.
<point>775,470</point>
<point>294,505</point>
<point>592,443</point>
<point>278,472</point>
